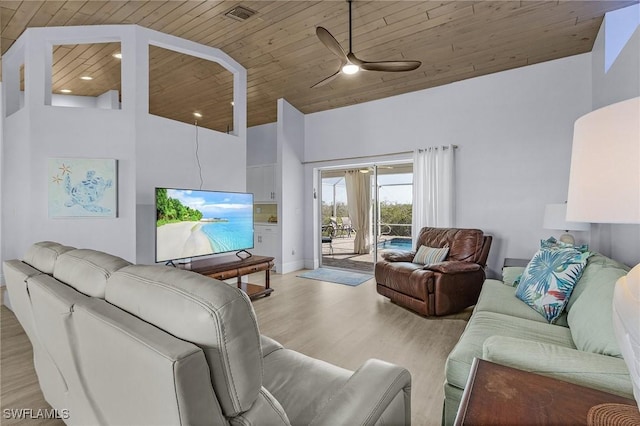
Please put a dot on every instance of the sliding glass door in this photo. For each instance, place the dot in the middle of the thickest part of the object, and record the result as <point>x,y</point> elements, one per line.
<point>394,203</point>
<point>364,208</point>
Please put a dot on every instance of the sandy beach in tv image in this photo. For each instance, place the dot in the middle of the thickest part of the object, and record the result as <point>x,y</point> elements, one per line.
<point>193,223</point>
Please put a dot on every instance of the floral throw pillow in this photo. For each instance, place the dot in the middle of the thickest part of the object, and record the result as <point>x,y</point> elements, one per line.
<point>548,280</point>
<point>430,256</point>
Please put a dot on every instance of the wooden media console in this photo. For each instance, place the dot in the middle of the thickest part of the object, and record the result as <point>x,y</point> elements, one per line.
<point>226,267</point>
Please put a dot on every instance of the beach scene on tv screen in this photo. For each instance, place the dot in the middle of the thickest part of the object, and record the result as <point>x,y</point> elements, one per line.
<point>194,223</point>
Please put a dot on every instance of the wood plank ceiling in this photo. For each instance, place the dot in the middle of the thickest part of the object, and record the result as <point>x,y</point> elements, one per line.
<point>455,40</point>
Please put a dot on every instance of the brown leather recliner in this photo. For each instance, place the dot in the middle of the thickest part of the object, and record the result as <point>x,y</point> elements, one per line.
<point>443,288</point>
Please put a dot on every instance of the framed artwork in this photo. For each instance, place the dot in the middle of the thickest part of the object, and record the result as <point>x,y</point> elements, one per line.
<point>83,187</point>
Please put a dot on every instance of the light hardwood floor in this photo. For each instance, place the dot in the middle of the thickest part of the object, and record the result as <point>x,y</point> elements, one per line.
<point>339,324</point>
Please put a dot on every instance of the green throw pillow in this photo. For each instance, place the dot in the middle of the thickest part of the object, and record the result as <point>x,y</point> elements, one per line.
<point>548,280</point>
<point>429,255</point>
<point>591,316</point>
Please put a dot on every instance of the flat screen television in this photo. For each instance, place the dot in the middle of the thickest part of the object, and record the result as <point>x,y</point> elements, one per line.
<point>192,223</point>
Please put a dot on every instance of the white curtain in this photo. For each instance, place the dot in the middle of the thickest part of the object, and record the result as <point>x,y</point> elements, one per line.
<point>359,204</point>
<point>433,188</point>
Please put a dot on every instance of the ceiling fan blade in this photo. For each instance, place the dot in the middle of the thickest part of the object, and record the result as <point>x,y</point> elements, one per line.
<point>354,59</point>
<point>326,80</point>
<point>332,44</point>
<point>390,66</point>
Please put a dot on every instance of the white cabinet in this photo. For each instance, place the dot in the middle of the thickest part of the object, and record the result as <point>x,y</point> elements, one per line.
<point>265,240</point>
<point>261,181</point>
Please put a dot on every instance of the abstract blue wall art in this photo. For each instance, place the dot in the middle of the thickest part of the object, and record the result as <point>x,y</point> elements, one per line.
<point>83,187</point>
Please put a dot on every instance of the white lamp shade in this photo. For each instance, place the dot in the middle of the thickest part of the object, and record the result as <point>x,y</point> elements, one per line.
<point>555,218</point>
<point>604,181</point>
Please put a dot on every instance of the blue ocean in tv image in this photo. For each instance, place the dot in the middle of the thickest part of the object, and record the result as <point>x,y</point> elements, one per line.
<point>192,223</point>
<point>234,234</point>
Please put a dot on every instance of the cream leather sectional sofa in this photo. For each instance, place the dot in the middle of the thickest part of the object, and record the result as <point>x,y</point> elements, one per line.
<point>122,344</point>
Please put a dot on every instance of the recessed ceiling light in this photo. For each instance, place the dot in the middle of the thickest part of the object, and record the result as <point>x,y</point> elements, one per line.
<point>117,55</point>
<point>65,90</point>
<point>86,77</point>
<point>197,115</point>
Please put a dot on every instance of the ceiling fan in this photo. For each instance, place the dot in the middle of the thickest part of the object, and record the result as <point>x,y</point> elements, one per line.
<point>350,64</point>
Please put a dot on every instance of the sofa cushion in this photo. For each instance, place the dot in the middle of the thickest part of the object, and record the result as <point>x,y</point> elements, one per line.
<point>591,316</point>
<point>216,316</point>
<point>291,377</point>
<point>137,374</point>
<point>87,270</point>
<point>605,373</point>
<point>549,278</point>
<point>43,255</point>
<point>591,275</point>
<point>486,324</point>
<point>511,275</point>
<point>430,255</point>
<point>501,299</point>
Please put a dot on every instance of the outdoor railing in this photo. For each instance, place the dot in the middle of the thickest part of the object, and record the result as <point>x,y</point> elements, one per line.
<point>395,229</point>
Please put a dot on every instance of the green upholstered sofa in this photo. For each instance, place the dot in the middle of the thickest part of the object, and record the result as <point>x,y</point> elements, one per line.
<point>580,347</point>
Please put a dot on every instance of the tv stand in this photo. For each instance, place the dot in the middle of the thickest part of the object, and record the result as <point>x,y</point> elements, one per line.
<point>226,267</point>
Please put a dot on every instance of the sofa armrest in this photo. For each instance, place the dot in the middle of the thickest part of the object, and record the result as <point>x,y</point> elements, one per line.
<point>376,391</point>
<point>398,255</point>
<point>602,372</point>
<point>453,267</point>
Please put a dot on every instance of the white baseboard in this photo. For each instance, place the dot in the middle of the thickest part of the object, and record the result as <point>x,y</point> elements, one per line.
<point>311,264</point>
<point>292,266</point>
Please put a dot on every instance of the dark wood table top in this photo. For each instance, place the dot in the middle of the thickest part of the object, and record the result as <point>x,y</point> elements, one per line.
<point>224,263</point>
<point>499,395</point>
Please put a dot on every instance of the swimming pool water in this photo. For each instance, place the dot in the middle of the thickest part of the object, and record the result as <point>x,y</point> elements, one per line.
<point>396,244</point>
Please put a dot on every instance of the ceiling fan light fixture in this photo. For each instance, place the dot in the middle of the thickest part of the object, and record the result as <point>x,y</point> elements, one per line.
<point>350,69</point>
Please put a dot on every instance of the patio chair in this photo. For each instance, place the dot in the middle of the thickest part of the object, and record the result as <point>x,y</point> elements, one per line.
<point>327,236</point>
<point>347,226</point>
<point>328,240</point>
<point>333,221</point>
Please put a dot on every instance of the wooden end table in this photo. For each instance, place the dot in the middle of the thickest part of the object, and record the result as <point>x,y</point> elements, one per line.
<point>222,268</point>
<point>499,395</point>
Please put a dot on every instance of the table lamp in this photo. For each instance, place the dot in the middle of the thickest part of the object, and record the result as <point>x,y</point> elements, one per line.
<point>555,218</point>
<point>604,187</point>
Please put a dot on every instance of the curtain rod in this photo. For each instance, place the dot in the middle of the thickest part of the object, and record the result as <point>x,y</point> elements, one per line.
<point>373,156</point>
<point>436,147</point>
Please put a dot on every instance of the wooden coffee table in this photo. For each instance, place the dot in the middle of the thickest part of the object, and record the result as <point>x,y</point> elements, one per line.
<point>499,395</point>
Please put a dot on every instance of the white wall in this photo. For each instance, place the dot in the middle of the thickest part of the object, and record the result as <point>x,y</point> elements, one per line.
<point>620,82</point>
<point>151,151</point>
<point>262,144</point>
<point>290,130</point>
<point>514,132</point>
<point>166,152</point>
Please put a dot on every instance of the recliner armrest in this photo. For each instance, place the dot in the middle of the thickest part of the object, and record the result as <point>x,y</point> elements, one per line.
<point>453,267</point>
<point>367,394</point>
<point>398,256</point>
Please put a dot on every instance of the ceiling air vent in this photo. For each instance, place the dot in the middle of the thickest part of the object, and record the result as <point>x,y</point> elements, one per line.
<point>240,13</point>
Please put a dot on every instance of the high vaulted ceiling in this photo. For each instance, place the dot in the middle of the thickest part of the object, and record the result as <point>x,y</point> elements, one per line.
<point>455,40</point>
